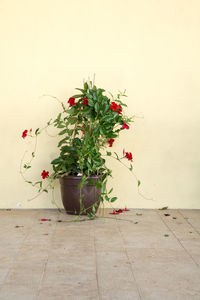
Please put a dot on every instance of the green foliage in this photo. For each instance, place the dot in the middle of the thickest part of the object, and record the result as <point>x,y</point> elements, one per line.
<point>85,130</point>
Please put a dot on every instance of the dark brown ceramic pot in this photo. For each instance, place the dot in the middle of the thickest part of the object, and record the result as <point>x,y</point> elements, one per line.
<point>70,193</point>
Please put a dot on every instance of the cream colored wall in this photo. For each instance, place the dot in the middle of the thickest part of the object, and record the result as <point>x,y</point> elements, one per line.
<point>149,47</point>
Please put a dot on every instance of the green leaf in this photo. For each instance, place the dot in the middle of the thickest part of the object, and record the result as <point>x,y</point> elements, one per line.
<point>113,199</point>
<point>60,126</point>
<point>77,96</point>
<point>62,132</point>
<point>83,91</point>
<point>96,107</point>
<point>37,131</point>
<point>90,102</point>
<point>110,191</point>
<point>163,208</point>
<point>63,141</point>
<point>57,161</point>
<point>49,122</point>
<point>106,197</point>
<point>27,166</point>
<point>116,156</point>
<point>98,185</point>
<point>139,182</point>
<point>33,154</point>
<point>72,120</point>
<point>109,153</point>
<point>101,198</point>
<point>85,86</point>
<point>45,190</point>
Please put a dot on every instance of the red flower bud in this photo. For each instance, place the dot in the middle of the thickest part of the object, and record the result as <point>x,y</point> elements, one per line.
<point>119,109</point>
<point>24,133</point>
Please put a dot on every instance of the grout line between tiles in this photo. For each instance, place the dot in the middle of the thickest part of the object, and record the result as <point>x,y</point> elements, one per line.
<point>132,272</point>
<point>45,264</point>
<point>178,240</point>
<point>189,223</point>
<point>97,277</point>
<point>16,255</point>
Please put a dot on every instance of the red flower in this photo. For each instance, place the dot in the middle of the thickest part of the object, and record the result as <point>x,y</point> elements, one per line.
<point>110,142</point>
<point>45,174</point>
<point>71,101</point>
<point>30,130</point>
<point>119,109</point>
<point>85,101</point>
<point>125,126</point>
<point>128,155</point>
<point>114,106</point>
<point>24,133</point>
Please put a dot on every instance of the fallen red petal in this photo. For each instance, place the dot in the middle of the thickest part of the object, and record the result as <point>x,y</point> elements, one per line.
<point>166,215</point>
<point>17,226</point>
<point>114,212</point>
<point>45,220</point>
<point>119,211</point>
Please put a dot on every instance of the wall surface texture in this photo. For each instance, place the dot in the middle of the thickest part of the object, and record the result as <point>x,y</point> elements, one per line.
<point>149,47</point>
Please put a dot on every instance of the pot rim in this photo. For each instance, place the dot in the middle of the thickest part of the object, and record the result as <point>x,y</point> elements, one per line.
<point>77,177</point>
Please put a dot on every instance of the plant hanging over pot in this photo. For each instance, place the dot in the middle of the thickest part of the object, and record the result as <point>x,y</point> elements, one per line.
<point>88,123</point>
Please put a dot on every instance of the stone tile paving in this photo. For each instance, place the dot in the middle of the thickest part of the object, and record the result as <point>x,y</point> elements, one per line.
<point>140,254</point>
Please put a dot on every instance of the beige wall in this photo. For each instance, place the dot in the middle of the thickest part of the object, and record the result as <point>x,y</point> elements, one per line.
<point>149,47</point>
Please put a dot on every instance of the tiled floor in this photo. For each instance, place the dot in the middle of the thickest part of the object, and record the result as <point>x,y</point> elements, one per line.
<point>140,254</point>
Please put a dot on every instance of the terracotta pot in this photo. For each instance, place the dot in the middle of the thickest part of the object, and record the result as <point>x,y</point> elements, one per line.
<point>70,193</point>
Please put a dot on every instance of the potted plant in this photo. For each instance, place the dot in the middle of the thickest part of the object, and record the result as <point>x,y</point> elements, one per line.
<point>88,124</point>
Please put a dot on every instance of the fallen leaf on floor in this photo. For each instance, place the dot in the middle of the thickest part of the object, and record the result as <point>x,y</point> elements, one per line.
<point>166,235</point>
<point>136,223</point>
<point>137,214</point>
<point>166,215</point>
<point>59,221</point>
<point>17,226</point>
<point>191,232</point>
<point>45,220</point>
<point>45,234</point>
<point>174,218</point>
<point>163,208</point>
